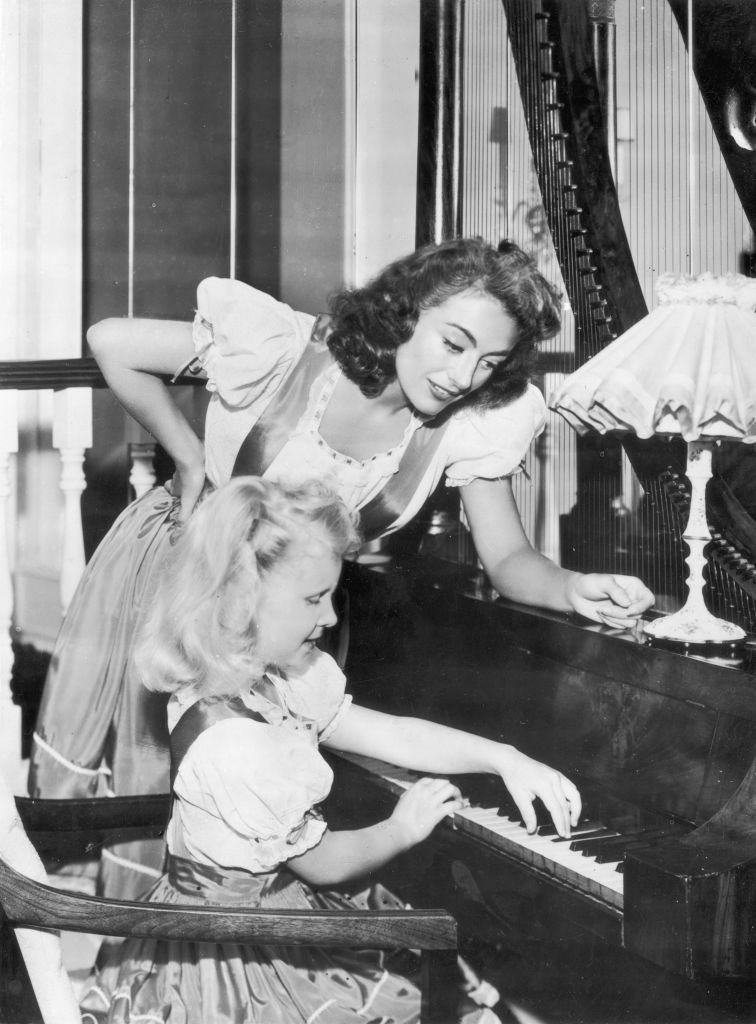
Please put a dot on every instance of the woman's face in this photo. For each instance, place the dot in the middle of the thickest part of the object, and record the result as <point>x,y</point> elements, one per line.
<point>455,348</point>
<point>295,604</point>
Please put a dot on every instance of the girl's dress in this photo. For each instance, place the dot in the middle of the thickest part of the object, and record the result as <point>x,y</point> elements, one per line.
<point>246,795</point>
<point>270,377</point>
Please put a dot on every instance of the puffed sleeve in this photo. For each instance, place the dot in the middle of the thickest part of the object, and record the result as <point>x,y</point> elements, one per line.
<point>491,443</point>
<point>261,784</point>
<point>245,340</point>
<point>318,693</point>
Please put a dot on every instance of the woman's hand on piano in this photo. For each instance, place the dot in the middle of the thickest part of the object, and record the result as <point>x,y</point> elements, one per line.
<point>527,779</point>
<point>423,806</point>
<point>610,599</point>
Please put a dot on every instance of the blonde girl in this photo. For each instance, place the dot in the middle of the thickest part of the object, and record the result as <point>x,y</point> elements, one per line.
<point>232,636</point>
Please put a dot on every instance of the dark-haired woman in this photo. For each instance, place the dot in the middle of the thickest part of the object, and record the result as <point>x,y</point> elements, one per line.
<point>423,373</point>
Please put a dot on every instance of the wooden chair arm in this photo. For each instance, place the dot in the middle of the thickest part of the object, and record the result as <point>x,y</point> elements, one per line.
<point>29,904</point>
<point>32,904</point>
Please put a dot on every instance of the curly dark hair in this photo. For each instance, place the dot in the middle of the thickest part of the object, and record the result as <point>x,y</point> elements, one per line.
<point>371,322</point>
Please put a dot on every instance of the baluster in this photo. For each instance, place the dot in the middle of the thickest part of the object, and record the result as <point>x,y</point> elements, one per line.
<point>142,473</point>
<point>72,435</point>
<point>10,714</point>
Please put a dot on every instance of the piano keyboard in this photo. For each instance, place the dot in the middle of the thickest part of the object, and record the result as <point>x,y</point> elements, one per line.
<point>544,851</point>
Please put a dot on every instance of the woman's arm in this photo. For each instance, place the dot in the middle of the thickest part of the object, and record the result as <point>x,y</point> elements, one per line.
<point>519,572</point>
<point>134,355</point>
<point>428,747</point>
<point>340,856</point>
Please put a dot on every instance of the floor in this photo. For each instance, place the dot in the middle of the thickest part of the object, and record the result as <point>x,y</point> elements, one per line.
<point>560,983</point>
<point>556,984</point>
<point>79,948</point>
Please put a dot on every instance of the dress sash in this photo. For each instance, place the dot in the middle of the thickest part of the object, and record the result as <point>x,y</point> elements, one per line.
<point>277,423</point>
<point>200,716</point>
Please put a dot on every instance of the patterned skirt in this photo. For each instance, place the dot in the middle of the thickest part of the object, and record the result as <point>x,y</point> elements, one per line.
<point>148,980</point>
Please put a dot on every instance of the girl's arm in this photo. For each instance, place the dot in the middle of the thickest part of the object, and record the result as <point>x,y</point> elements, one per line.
<point>429,747</point>
<point>340,856</point>
<point>519,572</point>
<point>134,355</point>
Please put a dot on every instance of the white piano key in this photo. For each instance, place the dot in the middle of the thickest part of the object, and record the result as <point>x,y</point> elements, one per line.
<point>556,859</point>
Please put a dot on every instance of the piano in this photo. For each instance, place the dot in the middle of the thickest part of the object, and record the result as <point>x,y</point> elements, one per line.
<point>661,744</point>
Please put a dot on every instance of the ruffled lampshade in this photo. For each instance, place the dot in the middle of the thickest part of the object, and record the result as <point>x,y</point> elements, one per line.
<point>687,368</point>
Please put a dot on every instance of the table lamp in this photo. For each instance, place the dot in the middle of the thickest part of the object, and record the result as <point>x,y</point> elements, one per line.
<point>688,368</point>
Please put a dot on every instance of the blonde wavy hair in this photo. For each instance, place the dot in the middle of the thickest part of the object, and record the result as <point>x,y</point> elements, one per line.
<point>200,629</point>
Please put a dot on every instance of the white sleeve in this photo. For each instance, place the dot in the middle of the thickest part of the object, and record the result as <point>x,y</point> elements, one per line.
<point>491,443</point>
<point>245,340</point>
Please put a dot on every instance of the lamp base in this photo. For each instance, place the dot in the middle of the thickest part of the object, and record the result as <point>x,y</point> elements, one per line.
<point>694,626</point>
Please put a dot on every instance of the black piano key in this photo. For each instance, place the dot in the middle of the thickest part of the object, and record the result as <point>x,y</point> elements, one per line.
<point>616,838</point>
<point>581,828</point>
<point>616,853</point>
<point>612,850</point>
<point>608,850</point>
<point>589,839</point>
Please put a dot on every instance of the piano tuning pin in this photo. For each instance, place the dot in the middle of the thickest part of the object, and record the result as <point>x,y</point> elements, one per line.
<point>546,44</point>
<point>578,232</point>
<point>571,187</point>
<point>559,136</point>
<point>573,211</point>
<point>555,106</point>
<point>585,251</point>
<point>602,320</point>
<point>585,271</point>
<point>549,76</point>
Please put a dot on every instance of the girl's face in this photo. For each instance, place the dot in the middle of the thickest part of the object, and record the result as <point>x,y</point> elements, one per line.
<point>295,605</point>
<point>455,348</point>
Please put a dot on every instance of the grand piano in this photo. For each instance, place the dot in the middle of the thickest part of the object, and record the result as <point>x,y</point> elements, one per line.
<point>661,742</point>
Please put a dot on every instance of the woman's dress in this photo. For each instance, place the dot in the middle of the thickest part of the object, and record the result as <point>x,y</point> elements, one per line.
<point>98,730</point>
<point>246,796</point>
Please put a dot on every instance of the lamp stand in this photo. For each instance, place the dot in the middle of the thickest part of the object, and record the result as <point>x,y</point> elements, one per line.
<point>694,623</point>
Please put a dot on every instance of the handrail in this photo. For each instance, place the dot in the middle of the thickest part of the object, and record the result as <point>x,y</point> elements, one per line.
<point>58,374</point>
<point>37,374</point>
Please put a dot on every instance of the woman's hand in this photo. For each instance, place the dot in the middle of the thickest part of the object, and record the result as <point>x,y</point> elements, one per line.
<point>187,484</point>
<point>527,779</point>
<point>613,600</point>
<point>423,806</point>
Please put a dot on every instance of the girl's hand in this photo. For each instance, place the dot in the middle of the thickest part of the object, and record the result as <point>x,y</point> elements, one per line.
<point>527,779</point>
<point>187,484</point>
<point>423,806</point>
<point>613,600</point>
